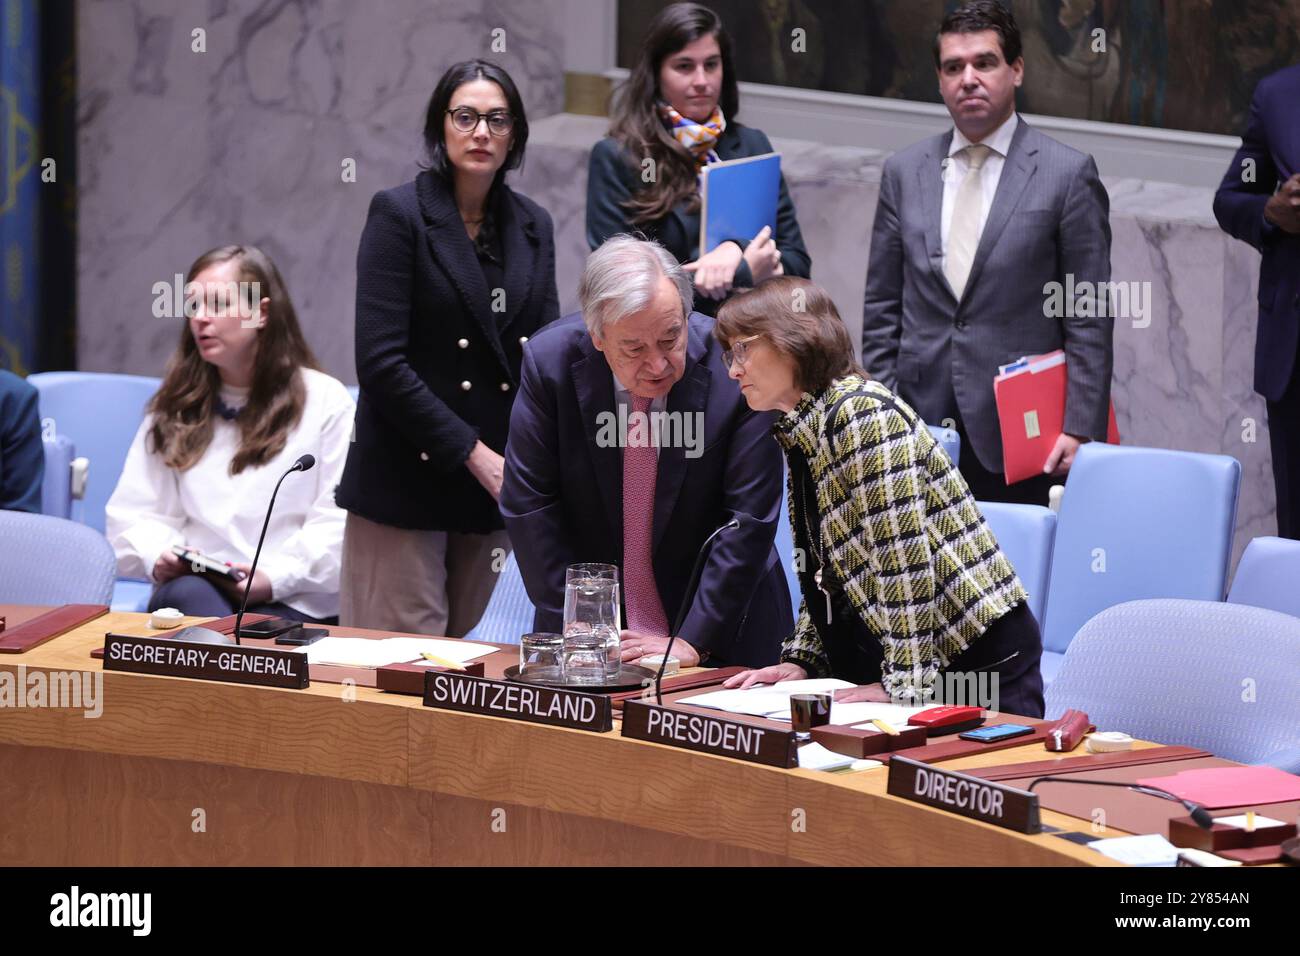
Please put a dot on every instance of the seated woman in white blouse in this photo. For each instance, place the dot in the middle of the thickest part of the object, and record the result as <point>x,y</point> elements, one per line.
<point>241,401</point>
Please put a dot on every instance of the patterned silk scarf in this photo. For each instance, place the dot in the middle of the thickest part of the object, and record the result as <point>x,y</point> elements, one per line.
<point>699,138</point>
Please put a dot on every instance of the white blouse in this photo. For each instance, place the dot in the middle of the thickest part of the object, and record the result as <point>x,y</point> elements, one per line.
<point>221,515</point>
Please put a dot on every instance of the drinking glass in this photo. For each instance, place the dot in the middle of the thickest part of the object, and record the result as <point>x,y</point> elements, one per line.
<point>808,711</point>
<point>541,655</point>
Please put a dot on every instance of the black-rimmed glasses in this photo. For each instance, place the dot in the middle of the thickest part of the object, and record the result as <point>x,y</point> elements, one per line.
<point>465,119</point>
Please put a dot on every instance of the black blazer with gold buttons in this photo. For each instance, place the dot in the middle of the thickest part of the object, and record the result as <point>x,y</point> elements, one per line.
<point>437,361</point>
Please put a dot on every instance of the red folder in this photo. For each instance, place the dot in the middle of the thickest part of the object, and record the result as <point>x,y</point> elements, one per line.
<point>1217,787</point>
<point>1030,397</point>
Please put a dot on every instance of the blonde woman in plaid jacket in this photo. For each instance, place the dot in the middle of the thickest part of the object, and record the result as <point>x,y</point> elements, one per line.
<point>906,592</point>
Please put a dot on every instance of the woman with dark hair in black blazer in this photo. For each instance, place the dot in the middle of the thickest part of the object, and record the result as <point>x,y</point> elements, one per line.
<point>675,114</point>
<point>454,273</point>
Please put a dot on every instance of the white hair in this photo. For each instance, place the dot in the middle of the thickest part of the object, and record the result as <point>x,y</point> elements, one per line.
<point>622,276</point>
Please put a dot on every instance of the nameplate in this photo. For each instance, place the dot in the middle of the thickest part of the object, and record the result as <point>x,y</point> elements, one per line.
<point>643,720</point>
<point>450,690</point>
<point>230,663</point>
<point>994,803</point>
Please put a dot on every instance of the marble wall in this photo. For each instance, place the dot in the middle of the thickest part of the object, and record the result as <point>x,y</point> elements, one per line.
<point>181,151</point>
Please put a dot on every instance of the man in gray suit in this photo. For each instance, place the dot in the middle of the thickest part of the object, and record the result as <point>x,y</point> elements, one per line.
<point>974,230</point>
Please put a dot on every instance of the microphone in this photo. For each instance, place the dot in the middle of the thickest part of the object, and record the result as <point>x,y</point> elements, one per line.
<point>1196,810</point>
<point>305,463</point>
<point>687,598</point>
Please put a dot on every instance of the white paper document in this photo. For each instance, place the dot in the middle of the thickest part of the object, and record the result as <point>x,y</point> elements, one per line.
<point>767,700</point>
<point>361,652</point>
<point>773,702</point>
<point>896,715</point>
<point>817,757</point>
<point>1149,849</point>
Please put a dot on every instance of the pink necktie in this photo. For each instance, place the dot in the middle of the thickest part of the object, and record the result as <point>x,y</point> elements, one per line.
<point>645,611</point>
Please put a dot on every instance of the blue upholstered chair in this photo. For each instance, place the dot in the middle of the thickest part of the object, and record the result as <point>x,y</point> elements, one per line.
<point>100,413</point>
<point>1137,523</point>
<point>509,613</point>
<point>48,560</point>
<point>1221,677</point>
<point>949,439</point>
<point>784,543</point>
<point>1025,533</point>
<point>56,484</point>
<point>1268,575</point>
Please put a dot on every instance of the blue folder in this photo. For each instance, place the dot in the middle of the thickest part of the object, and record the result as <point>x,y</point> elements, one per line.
<point>738,198</point>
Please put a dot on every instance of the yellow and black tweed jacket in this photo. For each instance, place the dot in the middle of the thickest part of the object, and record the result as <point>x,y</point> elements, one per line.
<point>899,529</point>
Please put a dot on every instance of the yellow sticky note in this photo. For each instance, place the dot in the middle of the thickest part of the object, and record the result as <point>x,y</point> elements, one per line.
<point>1031,423</point>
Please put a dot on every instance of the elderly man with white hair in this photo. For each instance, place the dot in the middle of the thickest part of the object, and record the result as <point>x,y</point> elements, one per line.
<point>629,446</point>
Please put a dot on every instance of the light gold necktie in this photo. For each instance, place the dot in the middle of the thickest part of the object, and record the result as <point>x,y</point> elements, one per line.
<point>964,230</point>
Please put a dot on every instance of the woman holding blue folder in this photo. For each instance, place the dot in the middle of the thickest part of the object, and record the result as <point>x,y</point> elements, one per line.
<point>673,116</point>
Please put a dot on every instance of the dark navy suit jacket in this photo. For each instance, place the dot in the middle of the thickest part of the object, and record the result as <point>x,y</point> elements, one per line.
<point>22,456</point>
<point>562,498</point>
<point>438,367</point>
<point>1272,143</point>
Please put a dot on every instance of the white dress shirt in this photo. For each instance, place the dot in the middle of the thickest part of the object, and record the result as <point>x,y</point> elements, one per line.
<point>221,515</point>
<point>999,142</point>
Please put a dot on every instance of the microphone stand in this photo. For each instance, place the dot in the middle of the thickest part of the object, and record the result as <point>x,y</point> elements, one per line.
<point>686,603</point>
<point>302,464</point>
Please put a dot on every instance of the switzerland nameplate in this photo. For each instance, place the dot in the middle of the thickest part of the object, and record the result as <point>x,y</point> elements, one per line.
<point>449,690</point>
<point>235,664</point>
<point>644,720</point>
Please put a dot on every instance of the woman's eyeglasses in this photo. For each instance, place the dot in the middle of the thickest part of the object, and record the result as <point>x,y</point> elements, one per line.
<point>465,119</point>
<point>739,351</point>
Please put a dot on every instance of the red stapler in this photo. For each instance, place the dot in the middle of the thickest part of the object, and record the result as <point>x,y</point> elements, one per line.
<point>939,721</point>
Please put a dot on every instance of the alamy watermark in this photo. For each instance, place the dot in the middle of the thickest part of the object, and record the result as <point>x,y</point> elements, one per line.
<point>76,908</point>
<point>72,690</point>
<point>1120,300</point>
<point>958,689</point>
<point>178,298</point>
<point>633,429</point>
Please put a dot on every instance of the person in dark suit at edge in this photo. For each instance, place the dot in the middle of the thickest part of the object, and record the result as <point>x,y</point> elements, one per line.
<point>22,457</point>
<point>1259,203</point>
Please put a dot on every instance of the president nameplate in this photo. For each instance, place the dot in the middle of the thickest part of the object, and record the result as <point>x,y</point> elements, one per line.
<point>229,663</point>
<point>994,803</point>
<point>644,720</point>
<point>449,690</point>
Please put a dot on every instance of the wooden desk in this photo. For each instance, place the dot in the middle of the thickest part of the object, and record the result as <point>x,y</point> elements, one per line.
<point>310,777</point>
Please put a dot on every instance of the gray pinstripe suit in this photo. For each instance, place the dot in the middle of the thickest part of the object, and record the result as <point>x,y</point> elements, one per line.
<point>1049,220</point>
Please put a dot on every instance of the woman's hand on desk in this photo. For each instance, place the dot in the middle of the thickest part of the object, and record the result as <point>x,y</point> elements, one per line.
<point>488,467</point>
<point>715,271</point>
<point>875,693</point>
<point>766,675</point>
<point>636,645</point>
